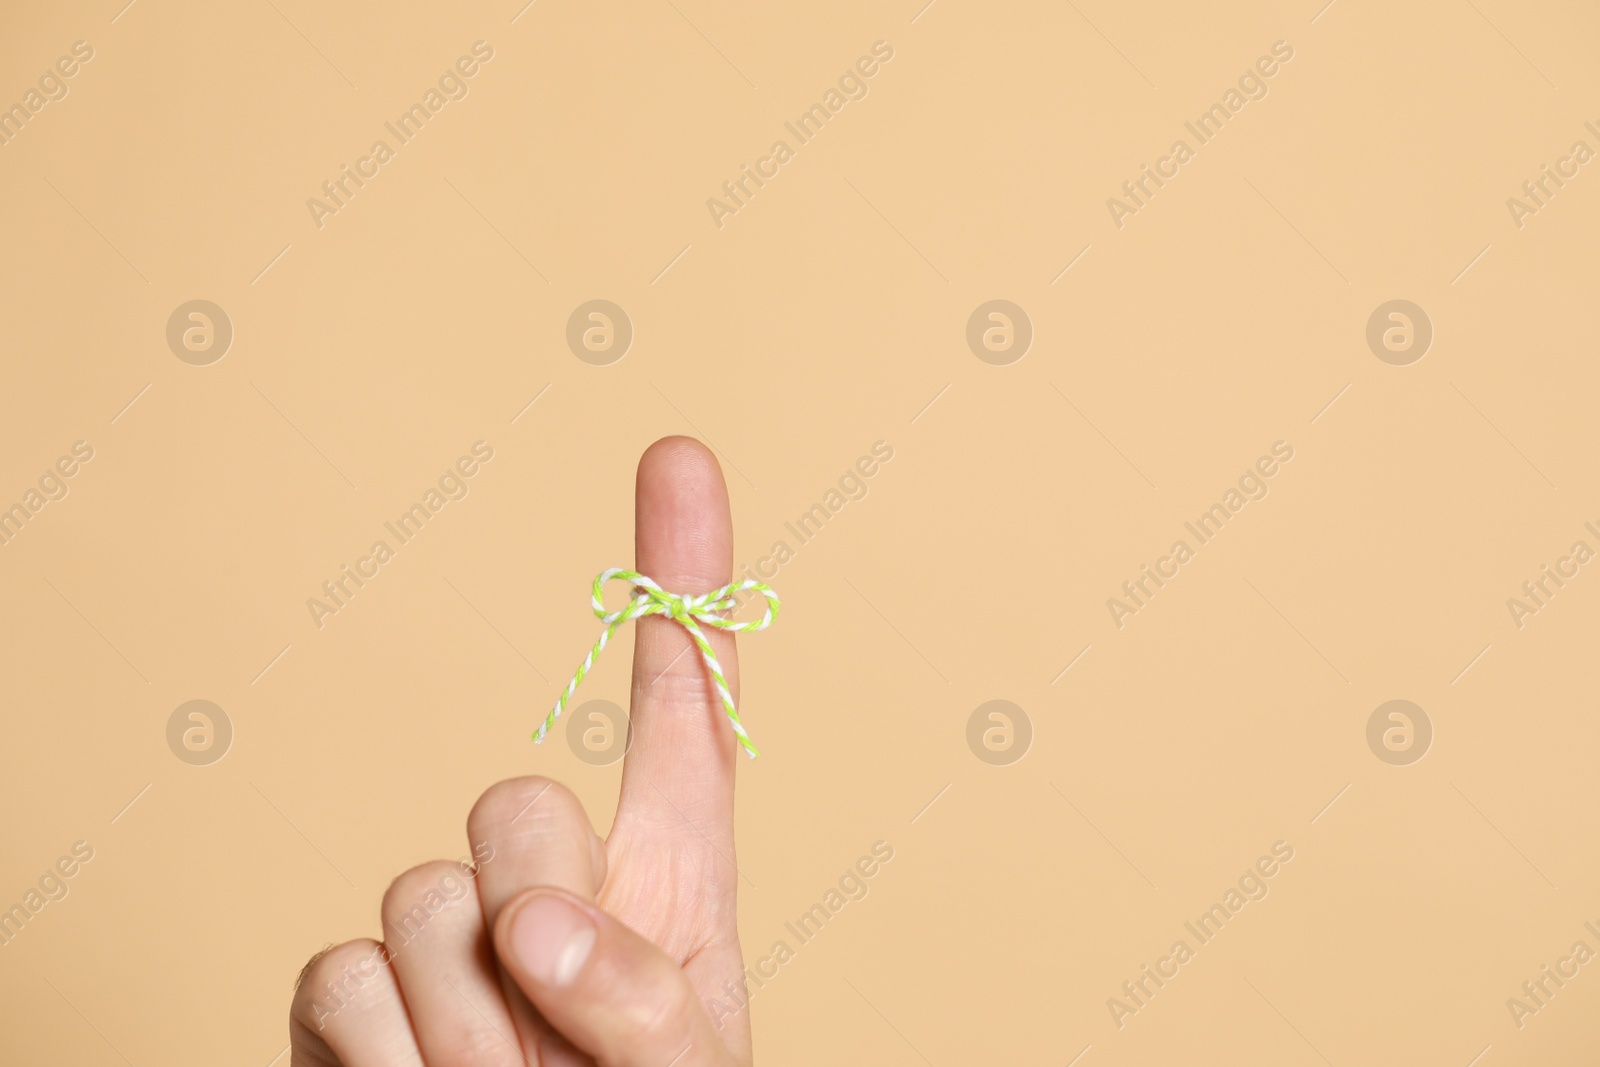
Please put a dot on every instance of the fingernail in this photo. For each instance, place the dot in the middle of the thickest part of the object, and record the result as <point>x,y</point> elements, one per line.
<point>551,939</point>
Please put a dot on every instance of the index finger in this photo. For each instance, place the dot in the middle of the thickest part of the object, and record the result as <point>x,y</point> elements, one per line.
<point>680,767</point>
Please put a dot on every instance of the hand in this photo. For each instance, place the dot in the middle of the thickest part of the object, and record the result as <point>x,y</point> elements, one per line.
<point>558,948</point>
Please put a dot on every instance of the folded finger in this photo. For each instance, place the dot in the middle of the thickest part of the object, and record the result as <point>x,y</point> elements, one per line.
<point>348,1011</point>
<point>532,832</point>
<point>439,949</point>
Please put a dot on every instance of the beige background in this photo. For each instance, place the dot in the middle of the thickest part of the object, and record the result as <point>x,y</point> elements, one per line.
<point>830,313</point>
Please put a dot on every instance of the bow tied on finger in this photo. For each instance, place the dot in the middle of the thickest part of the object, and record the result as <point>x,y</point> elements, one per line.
<point>691,611</point>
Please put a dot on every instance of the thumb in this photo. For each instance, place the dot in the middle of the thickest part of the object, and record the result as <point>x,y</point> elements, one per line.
<point>609,991</point>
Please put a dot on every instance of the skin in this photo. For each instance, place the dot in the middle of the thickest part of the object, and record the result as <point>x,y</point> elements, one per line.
<point>563,949</point>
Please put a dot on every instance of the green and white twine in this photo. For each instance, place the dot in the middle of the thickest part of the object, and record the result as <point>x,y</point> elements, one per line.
<point>690,612</point>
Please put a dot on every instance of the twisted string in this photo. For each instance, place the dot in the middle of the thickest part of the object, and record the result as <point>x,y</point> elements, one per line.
<point>690,612</point>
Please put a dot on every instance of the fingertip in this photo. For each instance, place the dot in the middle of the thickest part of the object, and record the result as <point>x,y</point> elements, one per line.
<point>683,529</point>
<point>675,443</point>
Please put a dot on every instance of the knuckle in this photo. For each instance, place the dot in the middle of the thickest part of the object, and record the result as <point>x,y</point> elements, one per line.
<point>475,1047</point>
<point>351,977</point>
<point>518,806</point>
<point>661,1018</point>
<point>683,682</point>
<point>420,893</point>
